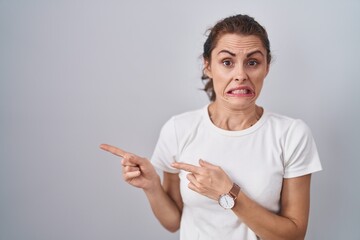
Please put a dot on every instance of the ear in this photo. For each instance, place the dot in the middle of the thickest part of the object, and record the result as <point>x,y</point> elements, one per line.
<point>207,68</point>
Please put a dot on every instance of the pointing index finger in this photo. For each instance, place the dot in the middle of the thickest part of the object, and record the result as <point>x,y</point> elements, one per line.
<point>114,150</point>
<point>187,167</point>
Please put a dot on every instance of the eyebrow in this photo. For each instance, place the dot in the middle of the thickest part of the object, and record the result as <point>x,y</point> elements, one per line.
<point>254,52</point>
<point>247,55</point>
<point>226,51</point>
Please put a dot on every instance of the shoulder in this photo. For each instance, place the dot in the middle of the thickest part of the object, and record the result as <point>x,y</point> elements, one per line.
<point>299,152</point>
<point>277,118</point>
<point>189,117</point>
<point>185,120</point>
<point>286,124</point>
<point>294,133</point>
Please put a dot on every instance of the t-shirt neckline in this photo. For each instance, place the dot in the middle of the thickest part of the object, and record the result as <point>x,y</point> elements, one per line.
<point>246,131</point>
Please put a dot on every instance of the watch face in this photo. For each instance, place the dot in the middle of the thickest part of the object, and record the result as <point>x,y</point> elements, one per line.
<point>226,201</point>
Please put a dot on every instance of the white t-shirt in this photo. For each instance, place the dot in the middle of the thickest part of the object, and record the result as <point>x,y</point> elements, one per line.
<point>257,159</point>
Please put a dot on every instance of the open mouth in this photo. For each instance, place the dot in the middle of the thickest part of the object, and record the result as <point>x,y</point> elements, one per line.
<point>241,91</point>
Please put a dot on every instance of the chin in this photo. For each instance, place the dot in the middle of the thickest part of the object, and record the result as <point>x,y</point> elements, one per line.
<point>242,103</point>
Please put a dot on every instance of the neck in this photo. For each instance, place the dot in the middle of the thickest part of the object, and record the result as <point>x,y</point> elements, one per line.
<point>234,119</point>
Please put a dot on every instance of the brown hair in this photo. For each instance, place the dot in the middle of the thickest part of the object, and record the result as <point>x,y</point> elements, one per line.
<point>239,24</point>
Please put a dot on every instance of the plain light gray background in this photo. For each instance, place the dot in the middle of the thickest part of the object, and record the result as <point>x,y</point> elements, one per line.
<point>76,73</point>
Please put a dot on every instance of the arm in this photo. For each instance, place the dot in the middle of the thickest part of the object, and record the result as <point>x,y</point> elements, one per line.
<point>291,223</point>
<point>165,201</point>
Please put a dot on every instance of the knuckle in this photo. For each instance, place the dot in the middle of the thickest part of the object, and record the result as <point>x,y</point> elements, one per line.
<point>124,177</point>
<point>127,176</point>
<point>201,189</point>
<point>188,176</point>
<point>204,171</point>
<point>128,156</point>
<point>192,186</point>
<point>200,180</point>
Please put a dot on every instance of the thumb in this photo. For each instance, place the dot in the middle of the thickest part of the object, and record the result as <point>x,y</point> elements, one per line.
<point>133,159</point>
<point>204,163</point>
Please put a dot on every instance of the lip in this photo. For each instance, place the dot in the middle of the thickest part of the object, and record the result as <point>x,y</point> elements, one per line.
<point>241,91</point>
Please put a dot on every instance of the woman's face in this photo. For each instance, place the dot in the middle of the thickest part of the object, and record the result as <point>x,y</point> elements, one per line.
<point>238,68</point>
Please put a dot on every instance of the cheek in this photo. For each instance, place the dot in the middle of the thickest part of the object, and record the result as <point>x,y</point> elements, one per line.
<point>258,83</point>
<point>219,87</point>
<point>258,77</point>
<point>220,81</point>
<point>220,75</point>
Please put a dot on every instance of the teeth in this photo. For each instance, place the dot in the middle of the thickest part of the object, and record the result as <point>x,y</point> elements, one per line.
<point>240,91</point>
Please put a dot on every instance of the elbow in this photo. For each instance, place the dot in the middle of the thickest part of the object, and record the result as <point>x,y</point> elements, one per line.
<point>172,224</point>
<point>297,236</point>
<point>172,230</point>
<point>299,233</point>
<point>170,221</point>
<point>172,227</point>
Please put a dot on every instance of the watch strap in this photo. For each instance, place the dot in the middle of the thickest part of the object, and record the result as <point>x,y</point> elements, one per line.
<point>234,191</point>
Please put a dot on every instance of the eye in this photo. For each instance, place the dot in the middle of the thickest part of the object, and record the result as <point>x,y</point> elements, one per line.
<point>227,63</point>
<point>252,63</point>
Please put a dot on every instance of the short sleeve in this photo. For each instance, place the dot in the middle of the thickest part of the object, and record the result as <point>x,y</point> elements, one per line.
<point>166,148</point>
<point>300,152</point>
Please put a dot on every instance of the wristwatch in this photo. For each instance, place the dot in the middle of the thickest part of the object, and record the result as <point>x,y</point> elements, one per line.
<point>227,200</point>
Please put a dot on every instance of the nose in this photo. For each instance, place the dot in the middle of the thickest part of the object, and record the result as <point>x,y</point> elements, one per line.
<point>240,73</point>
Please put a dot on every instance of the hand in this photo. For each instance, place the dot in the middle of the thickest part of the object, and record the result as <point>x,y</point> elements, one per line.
<point>207,179</point>
<point>137,171</point>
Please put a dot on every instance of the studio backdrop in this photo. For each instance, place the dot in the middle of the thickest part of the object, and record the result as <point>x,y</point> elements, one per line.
<point>75,74</point>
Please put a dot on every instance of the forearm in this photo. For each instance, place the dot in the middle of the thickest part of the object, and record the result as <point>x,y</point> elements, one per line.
<point>140,173</point>
<point>267,225</point>
<point>164,208</point>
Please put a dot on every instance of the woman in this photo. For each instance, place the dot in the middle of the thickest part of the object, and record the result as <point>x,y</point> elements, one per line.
<point>232,170</point>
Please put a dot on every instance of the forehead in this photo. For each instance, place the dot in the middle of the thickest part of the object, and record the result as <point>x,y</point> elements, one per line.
<point>238,43</point>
